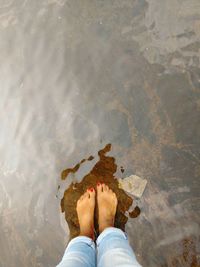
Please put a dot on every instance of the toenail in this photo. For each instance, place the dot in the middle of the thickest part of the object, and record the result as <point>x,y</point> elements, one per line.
<point>90,189</point>
<point>98,184</point>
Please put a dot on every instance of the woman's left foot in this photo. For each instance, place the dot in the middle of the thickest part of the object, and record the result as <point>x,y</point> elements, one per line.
<point>85,210</point>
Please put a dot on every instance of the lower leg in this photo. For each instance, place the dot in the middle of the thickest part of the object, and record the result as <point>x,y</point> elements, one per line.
<point>81,250</point>
<point>112,244</point>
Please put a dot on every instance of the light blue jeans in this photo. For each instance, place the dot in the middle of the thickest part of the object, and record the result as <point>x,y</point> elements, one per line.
<point>112,248</point>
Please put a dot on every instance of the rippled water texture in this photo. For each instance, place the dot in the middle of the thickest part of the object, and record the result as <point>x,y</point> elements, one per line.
<point>76,75</point>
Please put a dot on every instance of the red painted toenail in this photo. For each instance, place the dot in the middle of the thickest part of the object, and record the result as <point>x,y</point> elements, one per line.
<point>98,184</point>
<point>91,189</point>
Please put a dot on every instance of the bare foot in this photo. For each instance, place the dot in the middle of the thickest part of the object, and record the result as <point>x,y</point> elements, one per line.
<point>85,210</point>
<point>107,205</point>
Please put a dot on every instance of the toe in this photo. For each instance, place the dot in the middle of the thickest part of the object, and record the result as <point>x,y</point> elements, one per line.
<point>91,192</point>
<point>86,195</point>
<point>99,187</point>
<point>115,198</point>
<point>114,195</point>
<point>104,188</point>
<point>81,197</point>
<point>78,202</point>
<point>92,195</point>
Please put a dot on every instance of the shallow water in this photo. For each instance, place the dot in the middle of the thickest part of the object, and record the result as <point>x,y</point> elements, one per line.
<point>102,172</point>
<point>76,75</point>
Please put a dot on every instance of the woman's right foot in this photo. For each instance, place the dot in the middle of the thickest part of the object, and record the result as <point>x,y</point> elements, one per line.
<point>85,210</point>
<point>107,205</point>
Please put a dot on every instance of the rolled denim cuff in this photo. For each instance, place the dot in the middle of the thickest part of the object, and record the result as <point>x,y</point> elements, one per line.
<point>83,239</point>
<point>110,230</point>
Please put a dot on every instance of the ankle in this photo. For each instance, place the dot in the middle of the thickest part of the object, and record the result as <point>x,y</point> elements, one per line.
<point>87,232</point>
<point>105,224</point>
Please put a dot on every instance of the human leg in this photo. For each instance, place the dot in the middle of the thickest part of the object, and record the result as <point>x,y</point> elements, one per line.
<point>80,252</point>
<point>113,248</point>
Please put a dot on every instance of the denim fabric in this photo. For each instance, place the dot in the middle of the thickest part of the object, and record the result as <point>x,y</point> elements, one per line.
<point>80,252</point>
<point>112,249</point>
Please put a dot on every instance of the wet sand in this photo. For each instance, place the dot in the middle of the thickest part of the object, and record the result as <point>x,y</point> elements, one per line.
<point>103,171</point>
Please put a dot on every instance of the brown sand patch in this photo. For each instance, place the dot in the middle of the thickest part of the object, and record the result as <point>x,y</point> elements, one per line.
<point>103,171</point>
